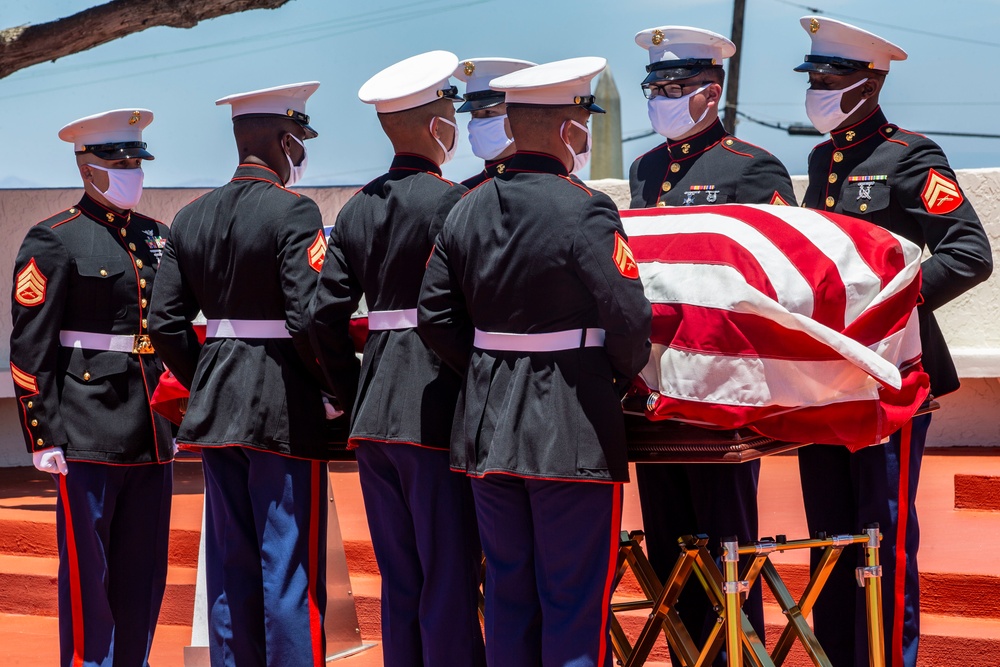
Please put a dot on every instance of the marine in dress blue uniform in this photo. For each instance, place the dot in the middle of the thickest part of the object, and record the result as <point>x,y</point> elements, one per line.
<point>83,372</point>
<point>248,256</point>
<point>901,181</point>
<point>532,295</point>
<point>420,514</point>
<point>489,131</point>
<point>699,163</point>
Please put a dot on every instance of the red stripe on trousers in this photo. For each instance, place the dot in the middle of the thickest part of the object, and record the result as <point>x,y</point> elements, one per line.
<point>76,598</point>
<point>899,604</point>
<point>616,526</point>
<point>315,619</point>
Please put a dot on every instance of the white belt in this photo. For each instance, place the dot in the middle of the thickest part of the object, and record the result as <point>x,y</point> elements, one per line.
<point>540,342</point>
<point>246,329</point>
<point>130,344</point>
<point>382,320</point>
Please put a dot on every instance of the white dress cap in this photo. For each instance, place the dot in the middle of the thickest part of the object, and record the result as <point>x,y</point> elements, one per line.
<point>288,101</point>
<point>678,42</point>
<point>111,135</point>
<point>477,74</point>
<point>559,83</point>
<point>840,48</point>
<point>412,83</point>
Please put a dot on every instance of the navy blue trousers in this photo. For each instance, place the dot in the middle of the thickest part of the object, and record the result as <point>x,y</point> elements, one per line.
<point>717,499</point>
<point>265,558</point>
<point>112,523</point>
<point>423,528</point>
<point>551,553</point>
<point>843,492</point>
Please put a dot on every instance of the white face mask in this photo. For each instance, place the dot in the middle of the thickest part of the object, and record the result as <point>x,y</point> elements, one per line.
<point>580,160</point>
<point>296,172</point>
<point>449,153</point>
<point>823,107</point>
<point>124,186</point>
<point>671,117</point>
<point>488,136</point>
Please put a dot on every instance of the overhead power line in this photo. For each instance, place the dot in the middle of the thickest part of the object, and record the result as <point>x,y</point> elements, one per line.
<point>801,129</point>
<point>916,31</point>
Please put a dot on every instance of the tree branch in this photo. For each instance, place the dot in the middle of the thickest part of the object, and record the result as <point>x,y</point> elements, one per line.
<point>25,46</point>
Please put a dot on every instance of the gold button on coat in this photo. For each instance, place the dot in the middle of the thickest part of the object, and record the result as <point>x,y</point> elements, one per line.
<point>145,323</point>
<point>864,207</point>
<point>829,202</point>
<point>138,263</point>
<point>34,422</point>
<point>661,203</point>
<point>142,282</point>
<point>104,272</point>
<point>838,157</point>
<point>31,404</point>
<point>143,303</point>
<point>86,376</point>
<point>39,442</point>
<point>675,167</point>
<point>131,246</point>
<point>122,231</point>
<point>666,186</point>
<point>832,178</point>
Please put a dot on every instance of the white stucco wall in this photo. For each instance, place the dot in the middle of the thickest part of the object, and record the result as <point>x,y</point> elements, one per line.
<point>970,323</point>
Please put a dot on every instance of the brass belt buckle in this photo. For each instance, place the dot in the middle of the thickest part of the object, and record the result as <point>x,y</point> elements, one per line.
<point>142,345</point>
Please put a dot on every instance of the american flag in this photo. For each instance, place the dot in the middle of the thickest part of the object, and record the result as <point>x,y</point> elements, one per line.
<point>798,324</point>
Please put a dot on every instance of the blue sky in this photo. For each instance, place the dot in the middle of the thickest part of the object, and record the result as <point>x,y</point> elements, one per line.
<point>947,83</point>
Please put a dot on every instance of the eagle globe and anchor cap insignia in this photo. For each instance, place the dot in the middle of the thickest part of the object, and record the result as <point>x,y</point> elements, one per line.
<point>29,286</point>
<point>941,195</point>
<point>317,252</point>
<point>624,260</point>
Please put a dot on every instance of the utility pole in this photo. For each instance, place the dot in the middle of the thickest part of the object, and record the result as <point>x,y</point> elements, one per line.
<point>606,161</point>
<point>733,75</point>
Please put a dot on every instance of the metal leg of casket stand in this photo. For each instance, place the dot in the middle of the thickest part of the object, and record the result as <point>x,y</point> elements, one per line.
<point>343,636</point>
<point>870,578</point>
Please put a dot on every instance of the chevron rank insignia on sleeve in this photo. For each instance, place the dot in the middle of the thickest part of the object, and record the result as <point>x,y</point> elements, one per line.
<point>317,252</point>
<point>29,286</point>
<point>941,195</point>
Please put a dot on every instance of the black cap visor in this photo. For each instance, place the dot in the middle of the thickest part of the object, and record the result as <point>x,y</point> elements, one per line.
<point>481,99</point>
<point>833,65</point>
<point>450,93</point>
<point>677,70</point>
<point>121,150</point>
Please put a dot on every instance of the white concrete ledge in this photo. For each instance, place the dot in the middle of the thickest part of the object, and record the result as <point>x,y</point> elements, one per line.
<point>976,363</point>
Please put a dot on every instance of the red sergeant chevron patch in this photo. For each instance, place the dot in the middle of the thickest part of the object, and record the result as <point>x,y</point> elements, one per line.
<point>317,252</point>
<point>624,259</point>
<point>941,194</point>
<point>777,200</point>
<point>29,285</point>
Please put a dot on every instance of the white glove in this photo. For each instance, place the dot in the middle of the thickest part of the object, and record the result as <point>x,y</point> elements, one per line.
<point>176,448</point>
<point>332,411</point>
<point>50,460</point>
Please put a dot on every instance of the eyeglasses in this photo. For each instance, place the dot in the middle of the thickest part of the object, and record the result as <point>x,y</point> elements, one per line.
<point>669,90</point>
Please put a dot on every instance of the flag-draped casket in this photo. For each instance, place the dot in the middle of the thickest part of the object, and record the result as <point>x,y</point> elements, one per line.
<point>798,324</point>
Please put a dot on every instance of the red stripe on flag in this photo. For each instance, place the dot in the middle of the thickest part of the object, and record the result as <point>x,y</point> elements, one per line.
<point>874,245</point>
<point>829,294</point>
<point>75,595</point>
<point>703,248</point>
<point>715,331</point>
<point>886,318</point>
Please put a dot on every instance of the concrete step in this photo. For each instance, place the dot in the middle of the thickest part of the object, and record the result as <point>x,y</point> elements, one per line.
<point>28,586</point>
<point>977,492</point>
